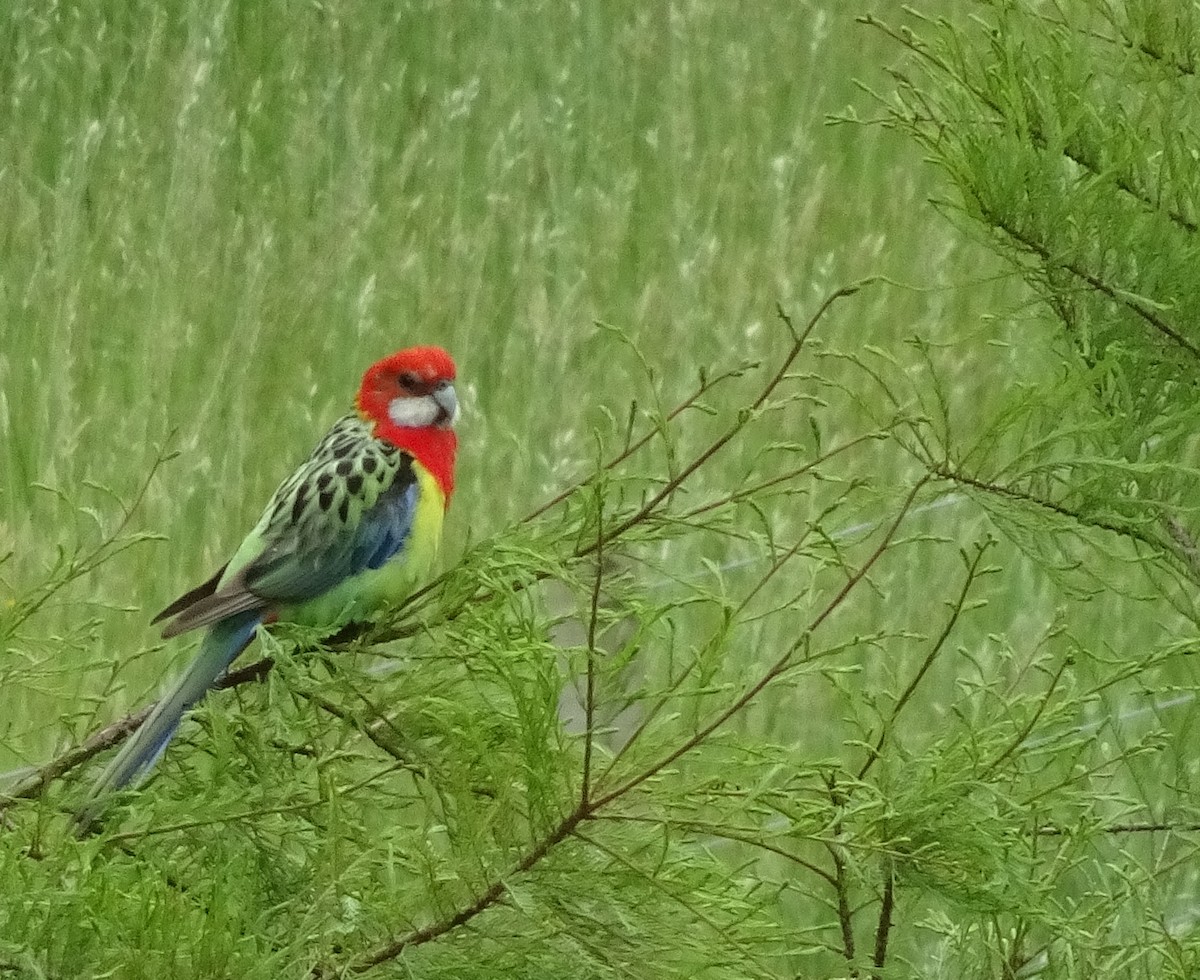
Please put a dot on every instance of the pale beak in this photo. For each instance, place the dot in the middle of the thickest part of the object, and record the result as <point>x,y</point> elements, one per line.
<point>447,403</point>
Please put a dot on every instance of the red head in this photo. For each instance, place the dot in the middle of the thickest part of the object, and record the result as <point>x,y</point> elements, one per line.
<point>409,396</point>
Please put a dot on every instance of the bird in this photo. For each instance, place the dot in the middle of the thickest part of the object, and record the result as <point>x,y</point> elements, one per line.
<point>354,528</point>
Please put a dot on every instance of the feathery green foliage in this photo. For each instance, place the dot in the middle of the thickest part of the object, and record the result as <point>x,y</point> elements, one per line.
<point>846,642</point>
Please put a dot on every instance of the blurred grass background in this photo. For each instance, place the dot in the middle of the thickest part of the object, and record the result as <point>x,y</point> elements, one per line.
<point>216,216</point>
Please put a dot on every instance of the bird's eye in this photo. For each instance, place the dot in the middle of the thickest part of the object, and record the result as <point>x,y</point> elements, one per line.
<point>408,380</point>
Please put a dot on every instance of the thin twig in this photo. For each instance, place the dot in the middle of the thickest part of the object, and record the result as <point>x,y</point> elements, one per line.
<point>371,731</point>
<point>938,645</point>
<point>841,886</point>
<point>706,385</point>
<point>1019,739</point>
<point>1181,827</point>
<point>1010,493</point>
<point>776,668</point>
<point>1116,294</point>
<point>747,836</point>
<point>589,705</point>
<point>489,897</point>
<point>722,440</point>
<point>1073,151</point>
<point>114,734</point>
<point>745,493</point>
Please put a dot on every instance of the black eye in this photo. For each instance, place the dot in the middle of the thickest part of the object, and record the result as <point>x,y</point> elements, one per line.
<point>409,380</point>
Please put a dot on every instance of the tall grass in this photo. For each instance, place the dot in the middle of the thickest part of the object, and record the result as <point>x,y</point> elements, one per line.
<point>216,216</point>
<point>216,219</point>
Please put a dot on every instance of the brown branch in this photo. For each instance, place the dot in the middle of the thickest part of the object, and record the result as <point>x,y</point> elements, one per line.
<point>744,417</point>
<point>777,668</point>
<point>1000,490</point>
<point>1074,151</point>
<point>589,706</point>
<point>841,885</point>
<point>371,731</point>
<point>494,893</point>
<point>33,785</point>
<point>1117,295</point>
<point>114,734</point>
<point>884,928</point>
<point>939,643</point>
<point>1183,827</point>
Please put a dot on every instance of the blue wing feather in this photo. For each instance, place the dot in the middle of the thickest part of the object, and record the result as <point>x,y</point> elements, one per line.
<point>305,566</point>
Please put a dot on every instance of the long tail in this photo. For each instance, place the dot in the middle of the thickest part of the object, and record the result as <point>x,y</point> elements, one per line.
<point>223,642</point>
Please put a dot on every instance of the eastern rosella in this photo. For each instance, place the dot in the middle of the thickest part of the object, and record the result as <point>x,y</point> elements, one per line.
<point>356,526</point>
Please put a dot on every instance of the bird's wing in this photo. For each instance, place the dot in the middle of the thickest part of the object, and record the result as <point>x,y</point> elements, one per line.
<point>347,509</point>
<point>192,596</point>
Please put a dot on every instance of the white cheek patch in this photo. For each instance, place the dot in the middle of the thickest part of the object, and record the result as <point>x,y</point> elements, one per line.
<point>413,412</point>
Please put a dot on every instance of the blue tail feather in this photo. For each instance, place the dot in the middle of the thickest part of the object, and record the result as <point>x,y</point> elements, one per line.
<point>223,642</point>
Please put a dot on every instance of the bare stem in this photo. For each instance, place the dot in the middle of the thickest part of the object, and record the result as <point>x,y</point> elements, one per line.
<point>589,703</point>
<point>840,883</point>
<point>776,668</point>
<point>884,928</point>
<point>494,893</point>
<point>938,646</point>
